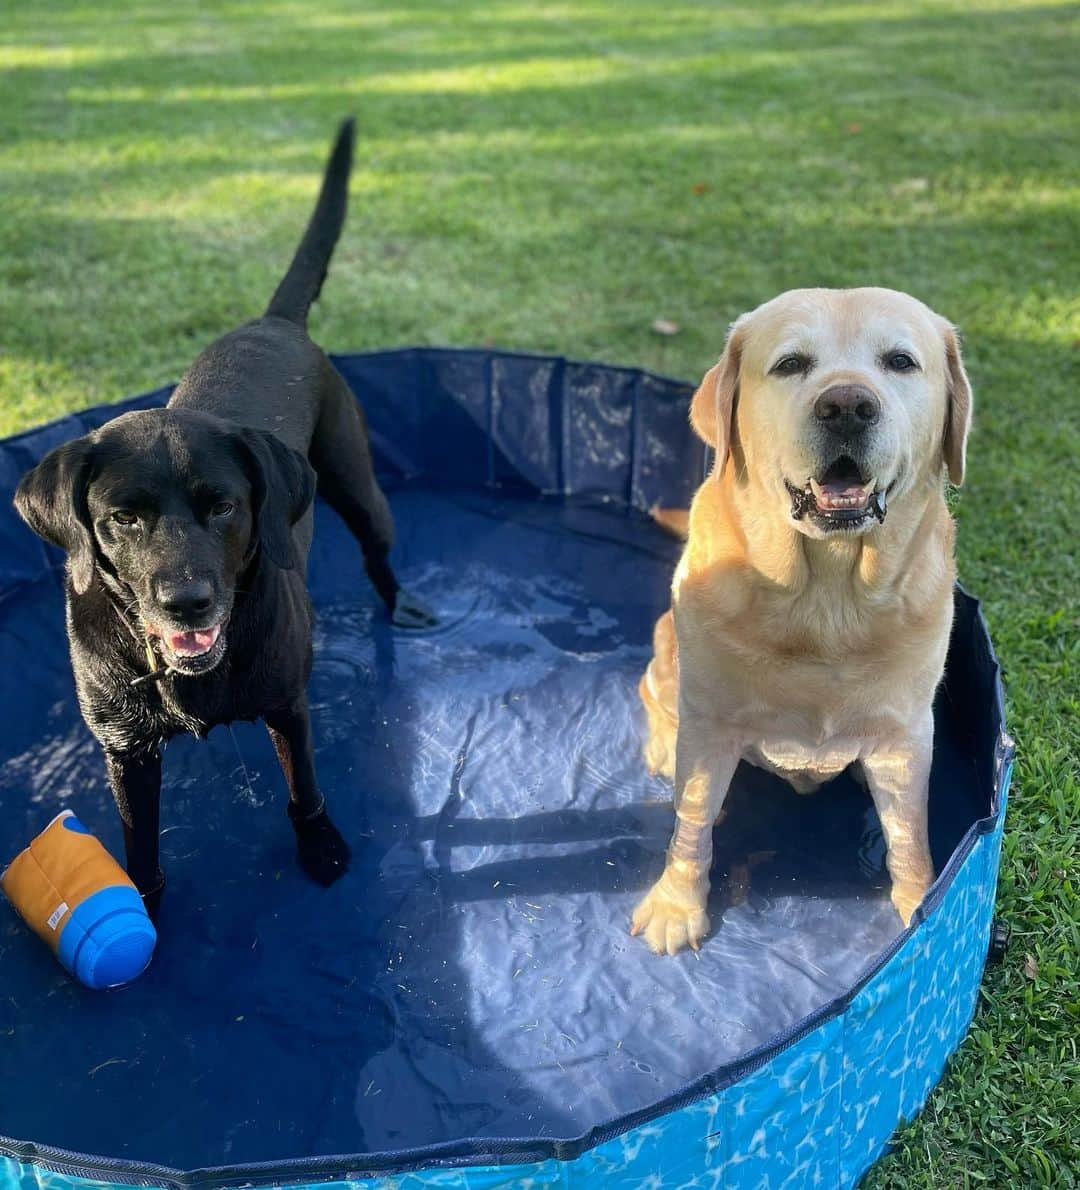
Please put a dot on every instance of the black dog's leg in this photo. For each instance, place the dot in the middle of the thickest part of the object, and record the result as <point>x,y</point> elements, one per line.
<point>136,785</point>
<point>341,456</point>
<point>323,853</point>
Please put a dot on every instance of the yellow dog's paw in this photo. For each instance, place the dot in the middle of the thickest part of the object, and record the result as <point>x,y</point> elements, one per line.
<point>670,920</point>
<point>906,898</point>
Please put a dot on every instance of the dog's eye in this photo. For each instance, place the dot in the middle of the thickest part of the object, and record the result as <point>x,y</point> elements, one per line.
<point>791,365</point>
<point>900,361</point>
<point>222,508</point>
<point>123,517</point>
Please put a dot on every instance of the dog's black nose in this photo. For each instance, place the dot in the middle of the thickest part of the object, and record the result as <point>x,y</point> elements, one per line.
<point>185,601</point>
<point>847,409</point>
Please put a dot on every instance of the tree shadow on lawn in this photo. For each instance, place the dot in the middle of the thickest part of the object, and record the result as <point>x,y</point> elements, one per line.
<point>662,161</point>
<point>398,86</point>
<point>708,184</point>
<point>122,267</point>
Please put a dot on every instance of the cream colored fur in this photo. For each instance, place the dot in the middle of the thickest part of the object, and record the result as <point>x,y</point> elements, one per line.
<point>800,651</point>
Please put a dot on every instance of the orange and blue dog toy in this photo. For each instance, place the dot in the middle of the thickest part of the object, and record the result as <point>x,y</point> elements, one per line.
<point>72,893</point>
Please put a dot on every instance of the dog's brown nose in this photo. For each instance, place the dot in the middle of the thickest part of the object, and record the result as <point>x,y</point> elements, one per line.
<point>847,409</point>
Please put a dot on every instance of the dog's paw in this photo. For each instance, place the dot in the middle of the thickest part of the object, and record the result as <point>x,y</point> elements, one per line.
<point>670,919</point>
<point>410,613</point>
<point>323,853</point>
<point>906,898</point>
<point>151,895</point>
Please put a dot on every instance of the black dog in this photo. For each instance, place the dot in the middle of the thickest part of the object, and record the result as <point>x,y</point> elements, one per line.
<point>187,531</point>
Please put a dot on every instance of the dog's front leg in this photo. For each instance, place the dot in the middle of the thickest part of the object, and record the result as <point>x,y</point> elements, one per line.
<point>136,785</point>
<point>323,853</point>
<point>898,774</point>
<point>672,914</point>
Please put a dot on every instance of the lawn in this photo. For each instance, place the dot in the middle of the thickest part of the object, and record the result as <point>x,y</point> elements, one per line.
<point>558,176</point>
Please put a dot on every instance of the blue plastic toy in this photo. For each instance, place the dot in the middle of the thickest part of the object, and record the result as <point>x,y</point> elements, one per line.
<point>72,893</point>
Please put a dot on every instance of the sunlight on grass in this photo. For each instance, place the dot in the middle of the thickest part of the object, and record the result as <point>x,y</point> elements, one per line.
<point>480,80</point>
<point>15,57</point>
<point>35,381</point>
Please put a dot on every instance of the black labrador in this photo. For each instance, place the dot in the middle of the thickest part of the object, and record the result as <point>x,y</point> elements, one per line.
<point>187,531</point>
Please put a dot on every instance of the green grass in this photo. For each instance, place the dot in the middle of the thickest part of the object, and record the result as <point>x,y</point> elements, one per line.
<point>555,176</point>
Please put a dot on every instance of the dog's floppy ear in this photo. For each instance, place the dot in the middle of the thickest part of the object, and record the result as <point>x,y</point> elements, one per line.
<point>958,408</point>
<point>51,499</point>
<point>712,409</point>
<point>282,489</point>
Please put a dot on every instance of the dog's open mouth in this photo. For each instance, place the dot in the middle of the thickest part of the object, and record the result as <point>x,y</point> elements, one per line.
<point>196,643</point>
<point>840,498</point>
<point>193,650</point>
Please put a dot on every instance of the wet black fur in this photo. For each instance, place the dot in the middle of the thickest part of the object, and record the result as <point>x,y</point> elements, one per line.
<point>260,414</point>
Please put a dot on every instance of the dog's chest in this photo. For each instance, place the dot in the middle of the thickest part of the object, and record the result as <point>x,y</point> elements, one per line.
<point>805,708</point>
<point>179,713</point>
<point>125,718</point>
<point>198,704</point>
<point>801,765</point>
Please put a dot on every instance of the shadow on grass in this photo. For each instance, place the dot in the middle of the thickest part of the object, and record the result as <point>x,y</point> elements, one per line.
<point>601,157</point>
<point>473,70</point>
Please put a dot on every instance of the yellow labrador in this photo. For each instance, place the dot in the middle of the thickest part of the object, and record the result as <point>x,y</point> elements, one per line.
<point>812,605</point>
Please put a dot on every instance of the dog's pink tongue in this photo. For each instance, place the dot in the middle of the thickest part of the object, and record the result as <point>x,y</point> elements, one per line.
<point>841,495</point>
<point>192,644</point>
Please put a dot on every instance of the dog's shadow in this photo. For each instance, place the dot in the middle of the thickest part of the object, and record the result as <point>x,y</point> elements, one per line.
<point>771,842</point>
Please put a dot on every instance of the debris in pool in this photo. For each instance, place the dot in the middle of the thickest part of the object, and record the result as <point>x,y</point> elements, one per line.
<point>110,1062</point>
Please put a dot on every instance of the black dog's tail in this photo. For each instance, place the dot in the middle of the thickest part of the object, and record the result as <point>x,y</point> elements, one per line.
<point>301,284</point>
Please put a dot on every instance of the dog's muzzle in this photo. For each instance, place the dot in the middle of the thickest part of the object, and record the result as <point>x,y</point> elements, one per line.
<point>839,499</point>
<point>183,652</point>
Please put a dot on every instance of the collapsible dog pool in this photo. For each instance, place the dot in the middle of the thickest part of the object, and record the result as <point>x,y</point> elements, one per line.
<point>466,1008</point>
